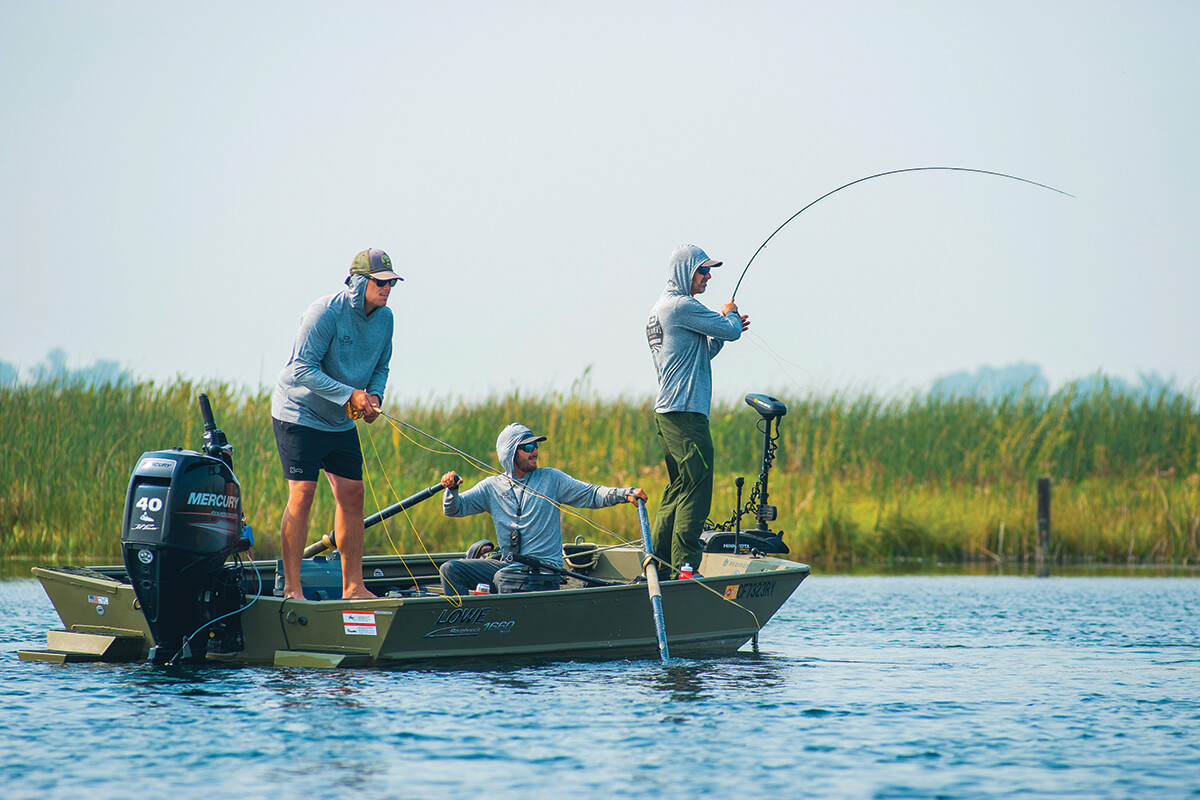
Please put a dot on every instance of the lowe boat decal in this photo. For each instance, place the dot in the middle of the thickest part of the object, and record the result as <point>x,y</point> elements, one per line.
<point>468,622</point>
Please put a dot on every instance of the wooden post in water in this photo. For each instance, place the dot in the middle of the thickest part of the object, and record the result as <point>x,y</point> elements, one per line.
<point>1043,524</point>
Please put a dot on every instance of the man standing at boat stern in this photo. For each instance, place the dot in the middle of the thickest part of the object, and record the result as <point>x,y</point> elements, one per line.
<point>524,504</point>
<point>684,336</point>
<point>339,365</point>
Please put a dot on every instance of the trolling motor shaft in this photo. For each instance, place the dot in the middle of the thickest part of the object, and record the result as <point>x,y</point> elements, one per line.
<point>770,410</point>
<point>729,536</point>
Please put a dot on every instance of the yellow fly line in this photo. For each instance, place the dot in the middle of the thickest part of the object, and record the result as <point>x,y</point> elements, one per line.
<point>482,466</point>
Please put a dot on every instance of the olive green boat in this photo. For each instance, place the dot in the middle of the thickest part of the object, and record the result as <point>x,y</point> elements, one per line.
<point>184,593</point>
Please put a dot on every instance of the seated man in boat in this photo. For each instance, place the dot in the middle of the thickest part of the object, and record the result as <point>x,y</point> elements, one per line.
<point>524,503</point>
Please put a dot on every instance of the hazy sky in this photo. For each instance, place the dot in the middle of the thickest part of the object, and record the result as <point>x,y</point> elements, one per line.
<point>179,182</point>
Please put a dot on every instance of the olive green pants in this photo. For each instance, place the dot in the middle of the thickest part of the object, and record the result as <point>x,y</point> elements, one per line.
<point>688,449</point>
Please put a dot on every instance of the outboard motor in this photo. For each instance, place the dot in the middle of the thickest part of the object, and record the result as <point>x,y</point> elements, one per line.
<point>729,537</point>
<point>183,518</point>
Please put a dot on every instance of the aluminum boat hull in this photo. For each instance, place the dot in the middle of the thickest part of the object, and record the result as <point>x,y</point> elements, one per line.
<point>712,615</point>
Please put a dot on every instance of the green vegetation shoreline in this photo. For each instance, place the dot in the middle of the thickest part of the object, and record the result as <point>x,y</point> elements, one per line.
<point>856,479</point>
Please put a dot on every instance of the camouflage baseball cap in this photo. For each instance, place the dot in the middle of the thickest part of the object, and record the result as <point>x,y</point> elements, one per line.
<point>375,264</point>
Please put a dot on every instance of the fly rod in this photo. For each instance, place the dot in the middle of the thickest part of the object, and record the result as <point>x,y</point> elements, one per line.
<point>880,175</point>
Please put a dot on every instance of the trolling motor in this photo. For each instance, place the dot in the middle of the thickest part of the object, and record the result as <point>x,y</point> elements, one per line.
<point>730,537</point>
<point>182,520</point>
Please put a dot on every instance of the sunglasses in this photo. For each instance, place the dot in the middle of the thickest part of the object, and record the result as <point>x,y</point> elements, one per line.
<point>529,448</point>
<point>703,270</point>
<point>381,284</point>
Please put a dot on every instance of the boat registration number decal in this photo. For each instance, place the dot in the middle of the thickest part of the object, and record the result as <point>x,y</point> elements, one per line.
<point>749,591</point>
<point>98,599</point>
<point>359,623</point>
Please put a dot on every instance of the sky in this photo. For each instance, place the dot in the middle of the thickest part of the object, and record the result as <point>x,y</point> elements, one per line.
<point>178,182</point>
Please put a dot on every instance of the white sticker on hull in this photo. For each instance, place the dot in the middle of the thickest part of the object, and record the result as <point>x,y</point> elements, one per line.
<point>359,623</point>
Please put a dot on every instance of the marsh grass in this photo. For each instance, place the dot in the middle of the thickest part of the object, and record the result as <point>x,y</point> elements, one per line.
<point>857,479</point>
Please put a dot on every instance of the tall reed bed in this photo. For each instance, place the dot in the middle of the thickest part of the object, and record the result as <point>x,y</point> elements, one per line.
<point>856,478</point>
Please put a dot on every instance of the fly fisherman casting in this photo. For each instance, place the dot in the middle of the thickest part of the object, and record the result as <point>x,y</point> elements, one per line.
<point>684,336</point>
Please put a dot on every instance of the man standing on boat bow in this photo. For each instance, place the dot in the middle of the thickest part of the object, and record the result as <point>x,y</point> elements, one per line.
<point>523,502</point>
<point>339,364</point>
<point>684,336</point>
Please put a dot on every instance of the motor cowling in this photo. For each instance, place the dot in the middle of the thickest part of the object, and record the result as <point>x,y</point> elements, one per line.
<point>745,541</point>
<point>182,520</point>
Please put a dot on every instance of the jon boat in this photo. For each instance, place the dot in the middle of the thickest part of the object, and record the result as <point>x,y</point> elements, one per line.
<point>184,594</point>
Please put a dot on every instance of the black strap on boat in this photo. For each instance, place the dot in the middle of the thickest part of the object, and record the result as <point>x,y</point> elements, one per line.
<point>530,561</point>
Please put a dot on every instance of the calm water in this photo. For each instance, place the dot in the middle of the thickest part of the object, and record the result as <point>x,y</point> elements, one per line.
<point>862,687</point>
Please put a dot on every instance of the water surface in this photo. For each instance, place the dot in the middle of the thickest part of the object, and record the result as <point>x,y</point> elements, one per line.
<point>863,686</point>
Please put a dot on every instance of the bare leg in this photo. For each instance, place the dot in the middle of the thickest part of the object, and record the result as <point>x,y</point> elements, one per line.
<point>293,530</point>
<point>348,527</point>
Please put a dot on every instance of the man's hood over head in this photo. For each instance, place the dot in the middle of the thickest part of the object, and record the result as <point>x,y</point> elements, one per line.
<point>357,289</point>
<point>684,262</point>
<point>506,443</point>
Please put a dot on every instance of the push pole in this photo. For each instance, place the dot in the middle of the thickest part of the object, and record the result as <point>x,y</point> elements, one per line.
<point>650,570</point>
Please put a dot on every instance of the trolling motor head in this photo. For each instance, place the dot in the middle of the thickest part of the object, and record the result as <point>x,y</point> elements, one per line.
<point>767,406</point>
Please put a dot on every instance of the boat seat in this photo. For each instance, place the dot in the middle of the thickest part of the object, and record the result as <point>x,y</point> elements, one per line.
<point>581,556</point>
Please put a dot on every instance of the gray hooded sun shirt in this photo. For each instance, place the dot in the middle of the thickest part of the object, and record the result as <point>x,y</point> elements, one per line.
<point>521,504</point>
<point>339,348</point>
<point>684,336</point>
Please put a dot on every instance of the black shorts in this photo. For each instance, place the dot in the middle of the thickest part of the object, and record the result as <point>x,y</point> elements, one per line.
<point>305,451</point>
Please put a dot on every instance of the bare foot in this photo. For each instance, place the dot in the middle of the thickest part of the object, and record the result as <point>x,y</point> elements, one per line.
<point>289,594</point>
<point>359,595</point>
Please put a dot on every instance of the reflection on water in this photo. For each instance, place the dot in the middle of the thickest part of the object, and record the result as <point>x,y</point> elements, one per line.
<point>683,682</point>
<point>509,682</point>
<point>693,681</point>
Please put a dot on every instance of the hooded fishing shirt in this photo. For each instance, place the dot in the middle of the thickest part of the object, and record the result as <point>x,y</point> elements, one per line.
<point>339,348</point>
<point>520,503</point>
<point>684,336</point>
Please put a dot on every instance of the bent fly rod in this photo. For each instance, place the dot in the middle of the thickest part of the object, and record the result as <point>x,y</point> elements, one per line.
<point>880,175</point>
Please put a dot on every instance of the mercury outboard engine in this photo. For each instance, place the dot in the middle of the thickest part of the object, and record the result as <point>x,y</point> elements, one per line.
<point>729,537</point>
<point>183,518</point>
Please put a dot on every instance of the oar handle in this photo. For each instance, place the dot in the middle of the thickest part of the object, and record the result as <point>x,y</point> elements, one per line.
<point>329,540</point>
